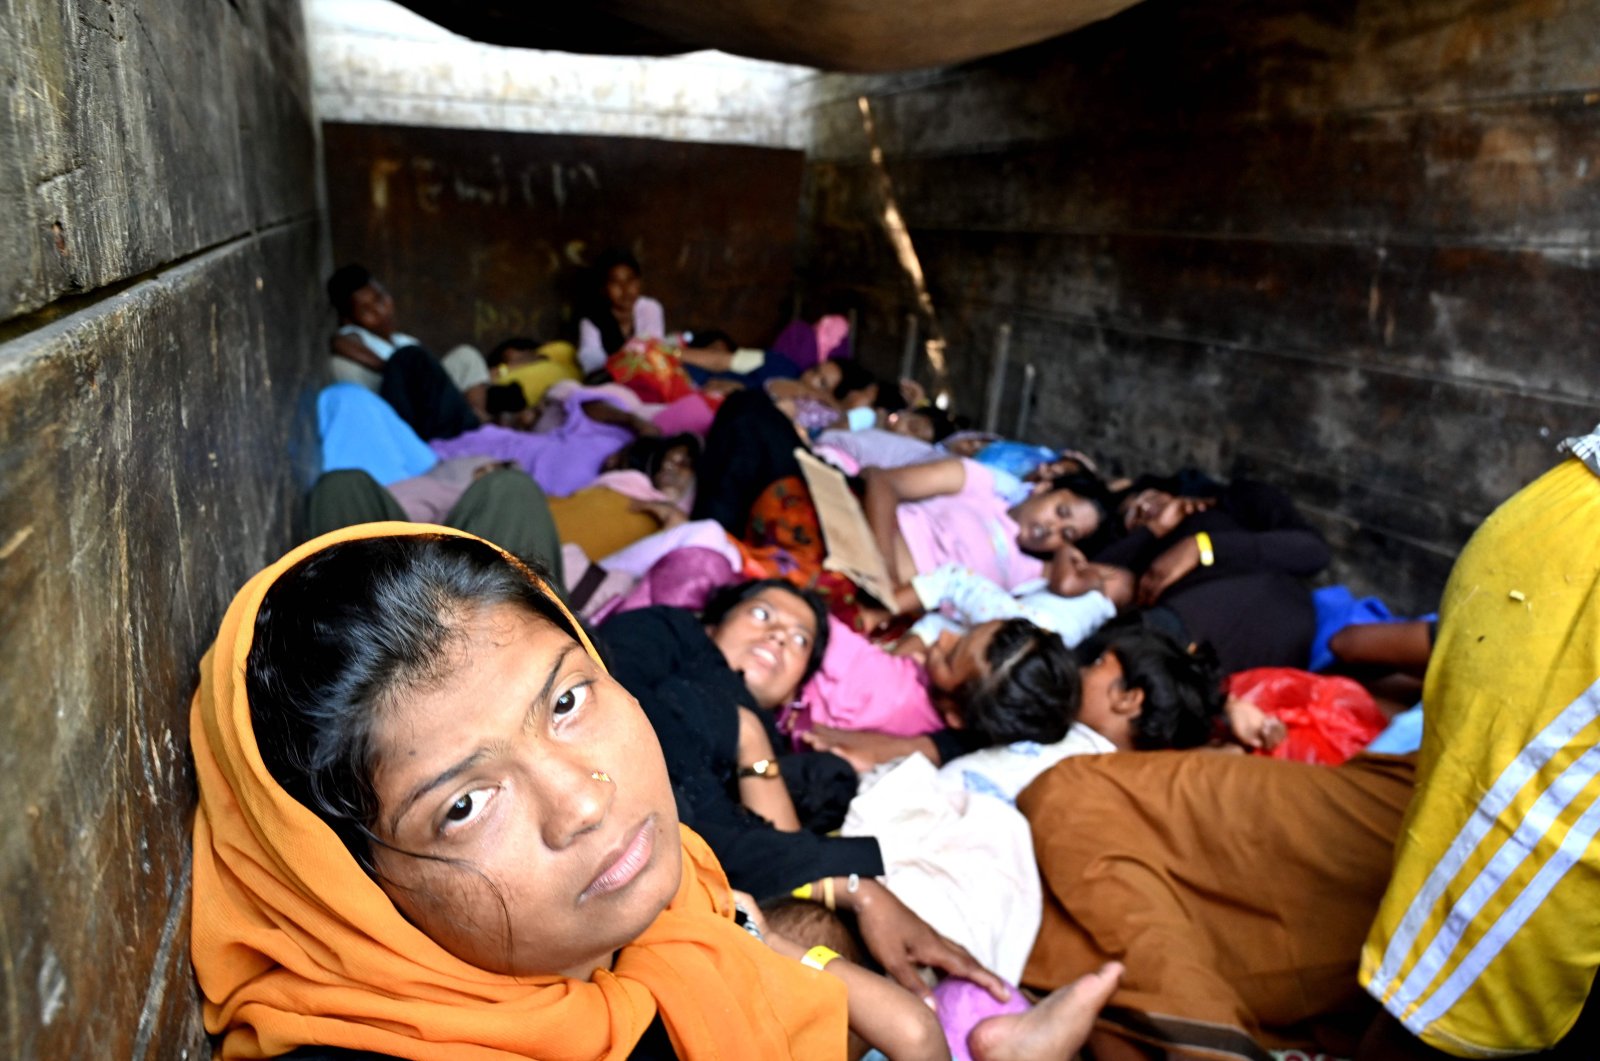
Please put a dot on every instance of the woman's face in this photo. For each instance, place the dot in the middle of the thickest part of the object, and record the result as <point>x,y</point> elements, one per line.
<point>534,864</point>
<point>768,637</point>
<point>622,288</point>
<point>1051,518</point>
<point>956,659</point>
<point>1143,507</point>
<point>675,474</point>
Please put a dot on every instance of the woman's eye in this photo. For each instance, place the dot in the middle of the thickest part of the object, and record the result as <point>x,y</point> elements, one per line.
<point>801,640</point>
<point>572,699</point>
<point>758,612</point>
<point>467,807</point>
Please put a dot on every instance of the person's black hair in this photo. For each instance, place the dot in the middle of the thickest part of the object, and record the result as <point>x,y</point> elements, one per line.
<point>853,377</point>
<point>1182,685</point>
<point>505,398</point>
<point>497,356</point>
<point>943,425</point>
<point>341,635</point>
<point>700,338</point>
<point>730,597</point>
<point>1031,692</point>
<point>645,454</point>
<point>609,259</point>
<point>343,285</point>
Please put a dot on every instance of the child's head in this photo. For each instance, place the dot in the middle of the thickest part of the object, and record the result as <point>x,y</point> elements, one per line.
<point>1145,691</point>
<point>360,300</point>
<point>1070,574</point>
<point>857,388</point>
<point>1006,680</point>
<point>928,423</point>
<point>669,461</point>
<point>426,697</point>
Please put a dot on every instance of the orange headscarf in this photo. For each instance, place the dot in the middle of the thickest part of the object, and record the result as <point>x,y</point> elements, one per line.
<point>294,945</point>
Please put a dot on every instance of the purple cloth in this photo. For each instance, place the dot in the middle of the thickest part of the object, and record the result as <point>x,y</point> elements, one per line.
<point>684,578</point>
<point>962,1005</point>
<point>562,461</point>
<point>798,343</point>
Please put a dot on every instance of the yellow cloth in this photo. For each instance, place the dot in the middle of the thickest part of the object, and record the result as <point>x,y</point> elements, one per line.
<point>1488,939</point>
<point>600,520</point>
<point>560,362</point>
<point>294,945</point>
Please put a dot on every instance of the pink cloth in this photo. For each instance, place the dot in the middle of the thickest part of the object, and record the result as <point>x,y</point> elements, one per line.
<point>861,687</point>
<point>962,1005</point>
<point>972,527</point>
<point>689,413</point>
<point>685,578</point>
<point>833,337</point>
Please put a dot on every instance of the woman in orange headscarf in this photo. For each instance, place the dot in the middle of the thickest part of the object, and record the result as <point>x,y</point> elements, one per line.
<point>431,826</point>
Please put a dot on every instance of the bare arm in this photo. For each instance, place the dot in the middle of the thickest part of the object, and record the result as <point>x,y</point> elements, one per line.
<point>767,796</point>
<point>606,413</point>
<point>887,488</point>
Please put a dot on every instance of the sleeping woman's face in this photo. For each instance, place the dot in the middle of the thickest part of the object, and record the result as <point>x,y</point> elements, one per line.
<point>534,786</point>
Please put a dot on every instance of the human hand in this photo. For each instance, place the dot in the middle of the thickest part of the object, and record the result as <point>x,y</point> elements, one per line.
<point>1172,565</point>
<point>1253,727</point>
<point>901,941</point>
<point>862,750</point>
<point>1174,512</point>
<point>721,386</point>
<point>913,392</point>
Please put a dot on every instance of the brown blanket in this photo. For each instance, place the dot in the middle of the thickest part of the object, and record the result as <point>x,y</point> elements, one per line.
<point>1236,890</point>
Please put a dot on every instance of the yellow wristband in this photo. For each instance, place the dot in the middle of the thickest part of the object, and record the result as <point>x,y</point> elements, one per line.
<point>819,957</point>
<point>827,892</point>
<point>1208,555</point>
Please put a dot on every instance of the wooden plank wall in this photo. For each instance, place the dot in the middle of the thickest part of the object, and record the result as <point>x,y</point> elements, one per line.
<point>1348,247</point>
<point>482,235</point>
<point>160,352</point>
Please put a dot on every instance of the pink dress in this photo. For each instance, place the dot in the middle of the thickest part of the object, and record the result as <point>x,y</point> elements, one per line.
<point>972,527</point>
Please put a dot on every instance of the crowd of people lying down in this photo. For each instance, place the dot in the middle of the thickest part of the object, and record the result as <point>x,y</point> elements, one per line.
<point>561,739</point>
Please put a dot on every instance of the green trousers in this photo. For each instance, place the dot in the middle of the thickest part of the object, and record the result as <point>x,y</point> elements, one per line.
<point>505,507</point>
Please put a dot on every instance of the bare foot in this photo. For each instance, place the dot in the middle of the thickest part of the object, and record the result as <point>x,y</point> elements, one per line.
<point>1053,1030</point>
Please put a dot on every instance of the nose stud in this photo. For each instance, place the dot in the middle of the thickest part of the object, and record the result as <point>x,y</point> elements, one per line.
<point>600,775</point>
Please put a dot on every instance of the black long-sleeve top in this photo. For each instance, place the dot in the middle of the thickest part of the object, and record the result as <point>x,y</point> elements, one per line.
<point>1250,604</point>
<point>664,657</point>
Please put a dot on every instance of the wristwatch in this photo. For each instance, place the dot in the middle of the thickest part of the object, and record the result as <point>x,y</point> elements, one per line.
<point>760,768</point>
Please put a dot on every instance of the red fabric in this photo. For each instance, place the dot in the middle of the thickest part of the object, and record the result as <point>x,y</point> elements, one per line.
<point>651,369</point>
<point>1329,719</point>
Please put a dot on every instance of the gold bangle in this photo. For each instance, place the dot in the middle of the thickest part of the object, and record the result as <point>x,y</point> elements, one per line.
<point>827,894</point>
<point>818,957</point>
<point>1208,555</point>
<point>805,891</point>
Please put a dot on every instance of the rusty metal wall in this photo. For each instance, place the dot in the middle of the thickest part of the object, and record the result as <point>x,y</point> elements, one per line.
<point>159,323</point>
<point>480,235</point>
<point>1351,248</point>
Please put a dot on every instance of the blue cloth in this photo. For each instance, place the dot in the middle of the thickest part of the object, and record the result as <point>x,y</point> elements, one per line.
<point>1338,608</point>
<point>1018,458</point>
<point>1402,737</point>
<point>362,431</point>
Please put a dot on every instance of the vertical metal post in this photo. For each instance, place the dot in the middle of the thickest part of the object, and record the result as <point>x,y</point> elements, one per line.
<point>997,377</point>
<point>908,357</point>
<point>852,318</point>
<point>1030,377</point>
